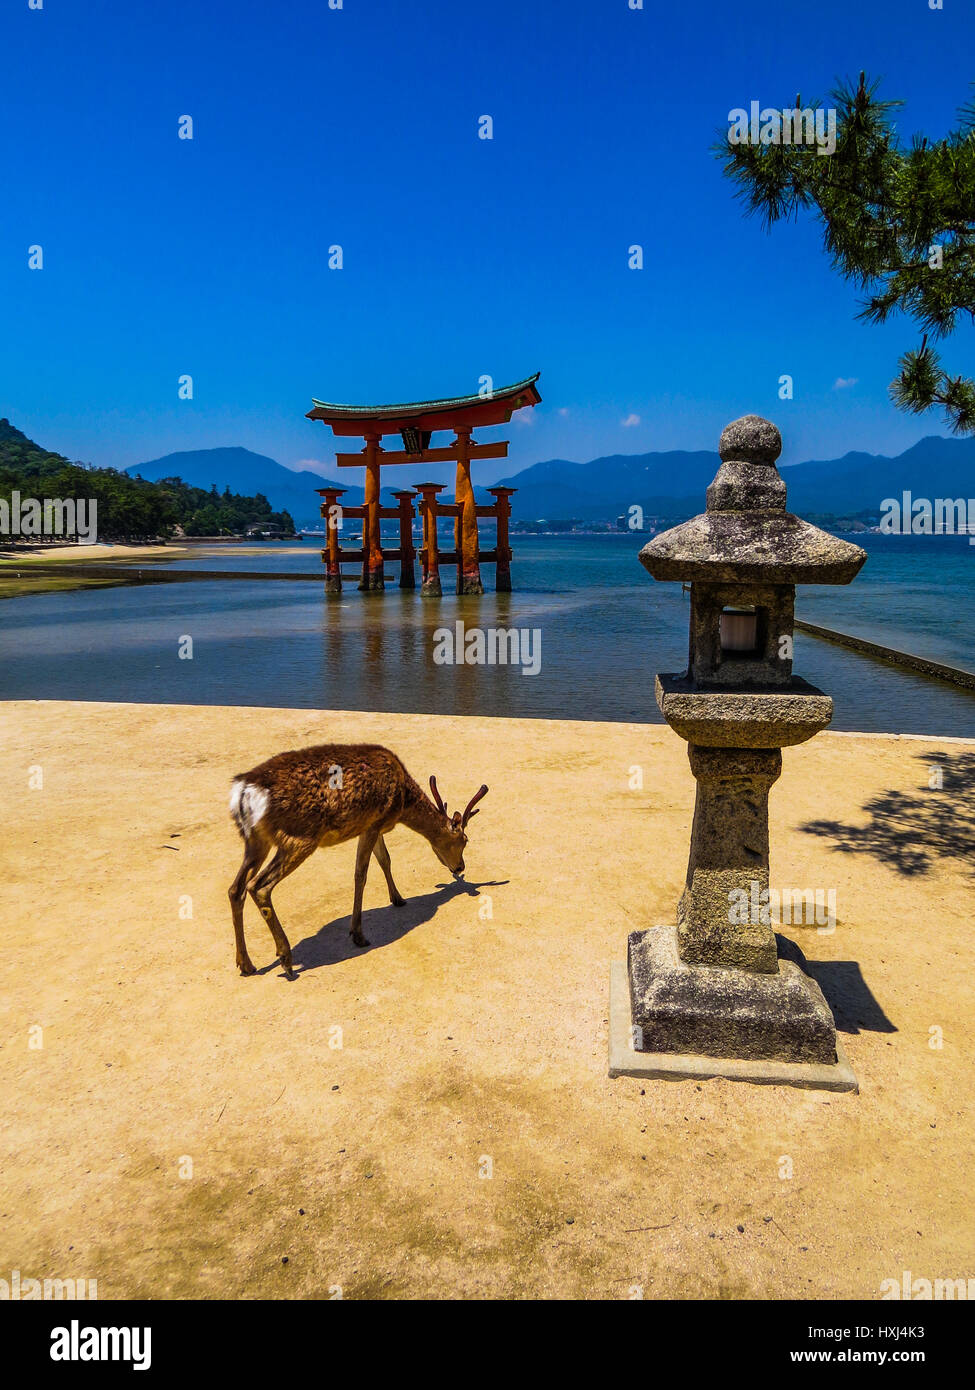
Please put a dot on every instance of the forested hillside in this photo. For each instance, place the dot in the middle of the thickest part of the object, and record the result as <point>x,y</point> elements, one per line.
<point>129,508</point>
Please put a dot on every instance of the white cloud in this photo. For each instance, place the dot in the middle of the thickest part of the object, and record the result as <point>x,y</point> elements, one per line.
<point>309,465</point>
<point>630,421</point>
<point>563,410</point>
<point>843,383</point>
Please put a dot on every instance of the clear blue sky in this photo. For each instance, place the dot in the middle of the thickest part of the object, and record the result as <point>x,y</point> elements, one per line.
<point>462,256</point>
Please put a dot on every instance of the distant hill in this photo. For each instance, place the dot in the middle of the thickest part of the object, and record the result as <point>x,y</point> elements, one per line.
<point>933,467</point>
<point>674,482</point>
<point>245,471</point>
<point>602,489</point>
<point>669,483</point>
<point>10,434</point>
<point>128,508</point>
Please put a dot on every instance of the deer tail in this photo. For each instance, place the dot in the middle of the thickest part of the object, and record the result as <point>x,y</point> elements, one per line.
<point>248,805</point>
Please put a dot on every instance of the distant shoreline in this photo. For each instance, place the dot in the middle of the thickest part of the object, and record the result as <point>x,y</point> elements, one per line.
<point>60,566</point>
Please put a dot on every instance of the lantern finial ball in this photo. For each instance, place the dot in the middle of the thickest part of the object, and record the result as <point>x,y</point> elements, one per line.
<point>750,440</point>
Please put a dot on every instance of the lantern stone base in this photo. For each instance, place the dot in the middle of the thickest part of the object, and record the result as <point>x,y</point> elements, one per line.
<point>703,1021</point>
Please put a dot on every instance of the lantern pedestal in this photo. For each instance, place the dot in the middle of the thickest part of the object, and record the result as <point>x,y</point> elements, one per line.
<point>728,861</point>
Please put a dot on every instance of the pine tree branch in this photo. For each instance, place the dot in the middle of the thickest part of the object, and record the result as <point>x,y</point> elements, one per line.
<point>883,211</point>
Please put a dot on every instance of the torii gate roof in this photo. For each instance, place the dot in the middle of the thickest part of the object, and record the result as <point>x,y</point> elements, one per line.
<point>475,411</point>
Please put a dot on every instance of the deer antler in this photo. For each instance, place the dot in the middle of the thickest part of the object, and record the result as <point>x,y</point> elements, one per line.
<point>441,805</point>
<point>471,804</point>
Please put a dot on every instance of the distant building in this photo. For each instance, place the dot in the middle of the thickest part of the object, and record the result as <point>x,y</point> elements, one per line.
<point>266,530</point>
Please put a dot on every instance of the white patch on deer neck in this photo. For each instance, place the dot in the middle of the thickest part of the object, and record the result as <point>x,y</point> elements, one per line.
<point>248,804</point>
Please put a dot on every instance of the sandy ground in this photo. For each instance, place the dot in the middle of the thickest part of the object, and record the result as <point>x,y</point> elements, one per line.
<point>128,554</point>
<point>432,1117</point>
<point>100,552</point>
<point>46,560</point>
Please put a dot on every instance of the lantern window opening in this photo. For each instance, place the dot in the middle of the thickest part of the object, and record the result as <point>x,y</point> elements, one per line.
<point>742,633</point>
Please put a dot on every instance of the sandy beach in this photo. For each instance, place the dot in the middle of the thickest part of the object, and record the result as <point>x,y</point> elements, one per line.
<point>124,553</point>
<point>433,1116</point>
<point>46,560</point>
<point>100,551</point>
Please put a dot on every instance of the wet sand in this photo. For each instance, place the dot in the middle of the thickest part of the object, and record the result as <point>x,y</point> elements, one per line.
<point>100,551</point>
<point>47,560</point>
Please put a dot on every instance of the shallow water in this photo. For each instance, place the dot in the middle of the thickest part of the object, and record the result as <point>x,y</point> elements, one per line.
<point>605,627</point>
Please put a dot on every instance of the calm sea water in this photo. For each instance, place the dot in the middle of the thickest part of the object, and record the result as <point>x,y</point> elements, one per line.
<point>605,628</point>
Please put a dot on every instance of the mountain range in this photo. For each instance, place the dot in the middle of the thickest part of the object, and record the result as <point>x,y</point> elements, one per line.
<point>244,471</point>
<point>669,484</point>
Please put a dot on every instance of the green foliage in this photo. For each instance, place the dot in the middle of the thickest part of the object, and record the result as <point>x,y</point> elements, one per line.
<point>129,508</point>
<point>884,209</point>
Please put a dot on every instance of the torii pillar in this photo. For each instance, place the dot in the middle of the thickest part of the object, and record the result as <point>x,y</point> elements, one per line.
<point>465,525</point>
<point>502,504</point>
<point>331,553</point>
<point>372,550</point>
<point>407,575</point>
<point>430,584</point>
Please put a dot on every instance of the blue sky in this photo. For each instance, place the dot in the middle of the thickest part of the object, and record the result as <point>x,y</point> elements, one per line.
<point>462,257</point>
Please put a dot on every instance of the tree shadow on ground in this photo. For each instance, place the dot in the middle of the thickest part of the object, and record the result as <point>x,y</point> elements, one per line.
<point>912,830</point>
<point>854,1006</point>
<point>380,925</point>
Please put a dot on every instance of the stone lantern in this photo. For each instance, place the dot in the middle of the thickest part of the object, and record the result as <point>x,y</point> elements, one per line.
<point>711,996</point>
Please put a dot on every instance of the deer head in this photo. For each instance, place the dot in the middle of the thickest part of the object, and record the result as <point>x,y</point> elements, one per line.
<point>449,845</point>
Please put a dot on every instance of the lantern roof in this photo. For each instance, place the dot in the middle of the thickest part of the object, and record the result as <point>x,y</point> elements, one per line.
<point>746,536</point>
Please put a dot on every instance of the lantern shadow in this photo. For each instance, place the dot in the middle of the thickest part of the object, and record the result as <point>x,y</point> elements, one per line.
<point>853,1004</point>
<point>912,830</point>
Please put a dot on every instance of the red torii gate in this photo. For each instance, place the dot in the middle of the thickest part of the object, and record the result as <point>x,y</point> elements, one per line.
<point>415,423</point>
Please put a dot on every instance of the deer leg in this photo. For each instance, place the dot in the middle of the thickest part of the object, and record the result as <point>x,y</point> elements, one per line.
<point>382,858</point>
<point>260,888</point>
<point>367,841</point>
<point>253,858</point>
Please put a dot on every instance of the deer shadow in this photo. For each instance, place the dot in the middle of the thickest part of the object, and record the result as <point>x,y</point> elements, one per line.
<point>380,925</point>
<point>912,830</point>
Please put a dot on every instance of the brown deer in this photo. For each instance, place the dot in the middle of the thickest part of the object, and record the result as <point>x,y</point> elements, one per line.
<point>310,798</point>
